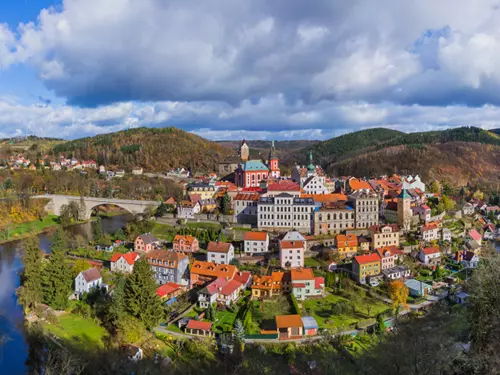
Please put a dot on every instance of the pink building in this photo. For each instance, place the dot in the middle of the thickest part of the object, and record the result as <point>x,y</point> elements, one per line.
<point>250,174</point>
<point>186,244</point>
<point>145,243</point>
<point>292,254</point>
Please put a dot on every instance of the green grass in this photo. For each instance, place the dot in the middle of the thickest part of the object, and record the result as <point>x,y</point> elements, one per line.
<point>204,225</point>
<point>78,332</point>
<point>264,315</point>
<point>313,262</point>
<point>224,320</point>
<point>322,310</point>
<point>31,227</point>
<point>163,231</point>
<point>173,328</point>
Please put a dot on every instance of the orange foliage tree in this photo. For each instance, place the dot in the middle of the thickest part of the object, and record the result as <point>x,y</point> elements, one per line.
<point>398,293</point>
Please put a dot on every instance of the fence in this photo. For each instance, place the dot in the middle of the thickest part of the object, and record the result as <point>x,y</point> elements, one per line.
<point>267,336</point>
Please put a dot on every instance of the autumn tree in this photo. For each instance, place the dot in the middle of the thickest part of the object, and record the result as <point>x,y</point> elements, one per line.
<point>398,293</point>
<point>30,292</point>
<point>79,266</point>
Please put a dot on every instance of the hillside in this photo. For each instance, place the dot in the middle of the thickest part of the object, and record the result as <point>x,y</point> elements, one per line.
<point>458,156</point>
<point>154,149</point>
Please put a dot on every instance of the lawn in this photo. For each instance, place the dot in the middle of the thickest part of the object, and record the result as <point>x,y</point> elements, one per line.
<point>77,331</point>
<point>163,231</point>
<point>224,320</point>
<point>264,313</point>
<point>29,227</point>
<point>336,311</point>
<point>204,225</point>
<point>313,262</point>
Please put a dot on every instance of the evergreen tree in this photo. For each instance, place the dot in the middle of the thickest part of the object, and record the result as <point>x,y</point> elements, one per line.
<point>117,306</point>
<point>56,276</point>
<point>161,210</point>
<point>210,314</point>
<point>141,299</point>
<point>30,293</point>
<point>226,204</point>
<point>97,229</point>
<point>120,235</point>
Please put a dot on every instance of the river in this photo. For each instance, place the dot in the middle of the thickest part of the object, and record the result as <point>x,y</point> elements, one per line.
<point>13,345</point>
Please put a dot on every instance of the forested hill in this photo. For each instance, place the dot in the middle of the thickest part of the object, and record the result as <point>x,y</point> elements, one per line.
<point>459,156</point>
<point>154,149</point>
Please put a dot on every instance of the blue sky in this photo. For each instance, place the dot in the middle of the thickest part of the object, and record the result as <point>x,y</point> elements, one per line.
<point>253,69</point>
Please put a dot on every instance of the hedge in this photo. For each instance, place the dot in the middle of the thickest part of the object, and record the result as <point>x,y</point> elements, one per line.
<point>295,304</point>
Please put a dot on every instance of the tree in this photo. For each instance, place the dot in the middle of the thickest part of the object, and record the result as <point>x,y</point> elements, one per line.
<point>7,184</point>
<point>448,203</point>
<point>380,323</point>
<point>235,262</point>
<point>435,188</point>
<point>141,299</point>
<point>210,314</point>
<point>79,266</point>
<point>226,204</point>
<point>97,229</point>
<point>274,263</point>
<point>239,334</point>
<point>30,292</point>
<point>478,194</point>
<point>117,308</point>
<point>161,210</point>
<point>437,274</point>
<point>120,235</point>
<point>398,293</point>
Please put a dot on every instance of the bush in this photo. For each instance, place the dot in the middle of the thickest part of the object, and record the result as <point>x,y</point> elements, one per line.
<point>425,272</point>
<point>295,304</point>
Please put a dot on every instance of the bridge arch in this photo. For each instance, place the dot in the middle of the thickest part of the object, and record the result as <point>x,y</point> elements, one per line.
<point>94,206</point>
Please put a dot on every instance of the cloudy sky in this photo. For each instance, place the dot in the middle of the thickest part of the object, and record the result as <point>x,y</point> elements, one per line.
<point>226,69</point>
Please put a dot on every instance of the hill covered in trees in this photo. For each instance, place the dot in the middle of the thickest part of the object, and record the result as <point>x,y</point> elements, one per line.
<point>156,149</point>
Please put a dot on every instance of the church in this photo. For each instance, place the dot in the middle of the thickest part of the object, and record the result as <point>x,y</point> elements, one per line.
<point>251,172</point>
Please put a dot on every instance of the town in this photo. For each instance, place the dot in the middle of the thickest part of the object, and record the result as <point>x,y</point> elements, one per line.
<point>251,256</point>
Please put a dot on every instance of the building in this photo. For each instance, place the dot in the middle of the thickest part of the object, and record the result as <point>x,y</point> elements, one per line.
<point>292,254</point>
<point>202,273</point>
<point>446,235</point>
<point>390,211</point>
<point>430,232</point>
<point>269,286</point>
<point>227,167</point>
<point>229,292</point>
<point>256,243</point>
<point>187,209</point>
<point>289,326</point>
<point>365,204</point>
<point>423,211</point>
<point>198,328</point>
<point>384,235</point>
<point>429,255</point>
<point>404,210</point>
<point>347,245</point>
<point>137,171</point>
<point>396,273</point>
<point>314,185</point>
<point>185,244</point>
<point>250,174</point>
<point>468,259</point>
<point>145,243</point>
<point>169,266</point>
<point>333,217</point>
<point>169,290</point>
<point>123,262</point>
<point>410,182</point>
<point>364,266</point>
<point>474,238</point>
<point>273,162</point>
<point>220,252</point>
<point>203,189</point>
<point>468,209</point>
<point>244,151</point>
<point>301,173</point>
<point>285,212</point>
<point>87,280</point>
<point>310,326</point>
<point>417,288</point>
<point>388,256</point>
<point>282,186</point>
<point>304,284</point>
<point>245,208</point>
<point>208,295</point>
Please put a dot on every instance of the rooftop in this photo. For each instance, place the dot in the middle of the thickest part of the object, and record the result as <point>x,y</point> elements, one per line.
<point>218,247</point>
<point>368,258</point>
<point>285,321</point>
<point>255,236</point>
<point>92,274</point>
<point>196,324</point>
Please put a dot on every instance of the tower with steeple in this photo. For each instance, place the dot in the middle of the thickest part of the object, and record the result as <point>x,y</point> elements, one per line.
<point>404,210</point>
<point>244,151</point>
<point>273,162</point>
<point>311,168</point>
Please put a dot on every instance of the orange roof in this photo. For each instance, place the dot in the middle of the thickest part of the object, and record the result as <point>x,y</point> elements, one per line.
<point>166,289</point>
<point>270,281</point>
<point>218,247</point>
<point>325,198</point>
<point>188,239</point>
<point>430,250</point>
<point>346,240</point>
<point>255,236</point>
<point>430,226</point>
<point>165,257</point>
<point>283,186</point>
<point>230,287</point>
<point>246,197</point>
<point>285,321</point>
<point>302,274</point>
<point>368,258</point>
<point>129,257</point>
<point>356,184</point>
<point>213,270</point>
<point>195,324</point>
<point>391,250</point>
<point>292,244</point>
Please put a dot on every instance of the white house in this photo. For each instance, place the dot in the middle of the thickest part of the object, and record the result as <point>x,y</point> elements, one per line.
<point>396,272</point>
<point>292,253</point>
<point>220,252</point>
<point>423,211</point>
<point>469,259</point>
<point>88,280</point>
<point>256,242</point>
<point>446,234</point>
<point>123,262</point>
<point>188,209</point>
<point>410,182</point>
<point>430,232</point>
<point>314,185</point>
<point>429,255</point>
<point>468,209</point>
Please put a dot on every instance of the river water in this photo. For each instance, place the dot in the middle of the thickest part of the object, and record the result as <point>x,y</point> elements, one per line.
<point>13,345</point>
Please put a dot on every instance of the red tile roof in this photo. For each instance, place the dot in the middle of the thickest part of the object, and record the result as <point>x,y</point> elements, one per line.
<point>475,235</point>
<point>246,197</point>
<point>368,258</point>
<point>430,226</point>
<point>292,244</point>
<point>218,247</point>
<point>91,274</point>
<point>195,324</point>
<point>230,287</point>
<point>299,285</point>
<point>319,282</point>
<point>167,288</point>
<point>213,270</point>
<point>285,321</point>
<point>283,186</point>
<point>255,236</point>
<point>430,250</point>
<point>129,257</point>
<point>302,274</point>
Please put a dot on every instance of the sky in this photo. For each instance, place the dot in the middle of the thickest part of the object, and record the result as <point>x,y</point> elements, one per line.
<point>254,69</point>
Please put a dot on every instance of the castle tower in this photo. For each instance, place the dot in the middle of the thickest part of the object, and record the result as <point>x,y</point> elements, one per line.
<point>244,151</point>
<point>273,162</point>
<point>404,210</point>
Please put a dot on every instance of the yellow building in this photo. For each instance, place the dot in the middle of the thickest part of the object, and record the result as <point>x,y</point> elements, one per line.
<point>366,265</point>
<point>347,245</point>
<point>204,190</point>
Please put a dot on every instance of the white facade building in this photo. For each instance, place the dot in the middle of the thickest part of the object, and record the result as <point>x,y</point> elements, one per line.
<point>88,280</point>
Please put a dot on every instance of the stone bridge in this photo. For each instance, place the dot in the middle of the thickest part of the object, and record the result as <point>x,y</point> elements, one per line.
<point>57,201</point>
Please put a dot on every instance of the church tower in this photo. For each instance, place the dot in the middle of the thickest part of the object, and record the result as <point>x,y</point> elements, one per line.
<point>244,151</point>
<point>273,162</point>
<point>404,210</point>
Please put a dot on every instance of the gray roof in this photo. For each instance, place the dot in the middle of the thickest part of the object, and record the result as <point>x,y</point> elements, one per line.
<point>309,322</point>
<point>148,238</point>
<point>293,236</point>
<point>416,285</point>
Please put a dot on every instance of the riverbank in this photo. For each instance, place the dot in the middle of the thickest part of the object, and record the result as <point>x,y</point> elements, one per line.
<point>27,229</point>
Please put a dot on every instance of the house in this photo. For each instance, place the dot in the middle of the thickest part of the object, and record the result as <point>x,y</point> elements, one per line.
<point>245,208</point>
<point>468,209</point>
<point>169,266</point>
<point>220,252</point>
<point>474,239</point>
<point>285,212</point>
<point>363,244</point>
<point>423,211</point>
<point>256,242</point>
<point>229,292</point>
<point>292,253</point>
<point>244,278</point>
<point>146,243</point>
<point>205,272</point>
<point>87,280</point>
<point>123,262</point>
<point>397,272</point>
<point>429,255</point>
<point>250,173</point>
<point>268,286</point>
<point>305,284</point>
<point>310,326</point>
<point>197,328</point>
<point>347,245</point>
<point>461,298</point>
<point>388,256</point>
<point>185,244</point>
<point>364,266</point>
<point>384,235</point>
<point>187,209</point>
<point>169,290</point>
<point>289,326</point>
<point>430,232</point>
<point>446,235</point>
<point>314,185</point>
<point>137,171</point>
<point>203,189</point>
<point>209,294</point>
<point>468,259</point>
<point>417,288</point>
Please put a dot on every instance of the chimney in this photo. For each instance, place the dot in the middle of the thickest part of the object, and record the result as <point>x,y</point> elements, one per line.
<point>227,278</point>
